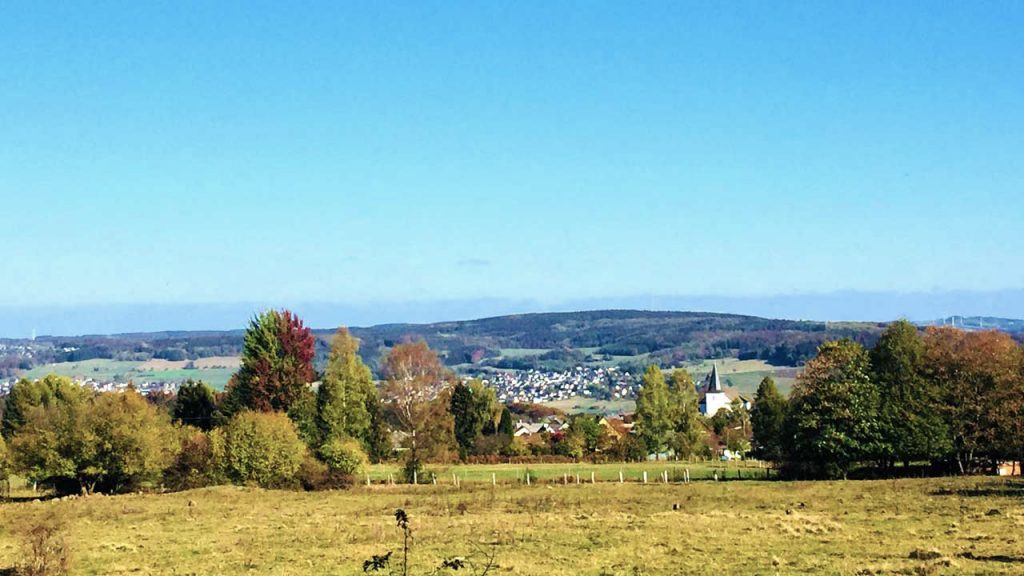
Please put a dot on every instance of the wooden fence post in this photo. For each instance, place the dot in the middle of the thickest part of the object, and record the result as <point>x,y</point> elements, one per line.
<point>645,476</point>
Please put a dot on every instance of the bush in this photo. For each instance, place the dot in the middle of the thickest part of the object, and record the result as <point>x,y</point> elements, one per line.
<point>344,455</point>
<point>198,463</point>
<point>517,447</point>
<point>313,474</point>
<point>262,449</point>
<point>47,551</point>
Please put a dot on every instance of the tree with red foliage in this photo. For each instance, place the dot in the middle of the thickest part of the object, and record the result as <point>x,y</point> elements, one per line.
<point>277,364</point>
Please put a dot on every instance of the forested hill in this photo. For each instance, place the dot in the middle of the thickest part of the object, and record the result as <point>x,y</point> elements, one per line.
<point>522,341</point>
<point>540,340</point>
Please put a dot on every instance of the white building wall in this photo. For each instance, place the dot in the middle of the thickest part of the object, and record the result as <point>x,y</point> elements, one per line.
<point>714,401</point>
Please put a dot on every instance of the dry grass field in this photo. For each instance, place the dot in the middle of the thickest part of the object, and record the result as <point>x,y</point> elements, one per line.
<point>928,526</point>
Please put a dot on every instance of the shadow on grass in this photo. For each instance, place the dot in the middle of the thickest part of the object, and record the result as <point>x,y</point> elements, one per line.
<point>993,558</point>
<point>8,571</point>
<point>1008,490</point>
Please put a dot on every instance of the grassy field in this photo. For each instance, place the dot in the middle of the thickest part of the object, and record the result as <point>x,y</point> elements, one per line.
<point>745,375</point>
<point>584,405</point>
<point>111,370</point>
<point>557,473</point>
<point>930,526</point>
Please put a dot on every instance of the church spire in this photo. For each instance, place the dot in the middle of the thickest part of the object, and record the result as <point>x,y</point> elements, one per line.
<point>714,384</point>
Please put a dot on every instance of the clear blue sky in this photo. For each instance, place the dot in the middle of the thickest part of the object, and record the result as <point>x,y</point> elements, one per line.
<point>375,152</point>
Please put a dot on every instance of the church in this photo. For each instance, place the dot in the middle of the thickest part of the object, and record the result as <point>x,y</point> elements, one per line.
<point>713,397</point>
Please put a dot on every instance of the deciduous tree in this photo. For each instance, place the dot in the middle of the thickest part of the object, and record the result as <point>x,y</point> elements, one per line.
<point>26,394</point>
<point>654,411</point>
<point>347,398</point>
<point>111,442</point>
<point>832,419</point>
<point>688,428</point>
<point>417,392</point>
<point>277,364</point>
<point>980,376</point>
<point>910,412</point>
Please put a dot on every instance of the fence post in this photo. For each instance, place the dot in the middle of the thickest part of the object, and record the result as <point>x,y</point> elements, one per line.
<point>620,477</point>
<point>415,477</point>
<point>565,478</point>
<point>367,479</point>
<point>645,476</point>
<point>527,477</point>
<point>494,479</point>
<point>592,477</point>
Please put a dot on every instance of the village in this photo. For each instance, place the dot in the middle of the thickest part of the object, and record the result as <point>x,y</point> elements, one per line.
<point>537,386</point>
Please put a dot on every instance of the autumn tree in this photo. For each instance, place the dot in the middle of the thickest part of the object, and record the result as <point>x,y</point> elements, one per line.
<point>195,405</point>
<point>979,374</point>
<point>654,411</point>
<point>277,364</point>
<point>347,399</point>
<point>417,393</point>
<point>910,412</point>
<point>766,418</point>
<point>831,422</point>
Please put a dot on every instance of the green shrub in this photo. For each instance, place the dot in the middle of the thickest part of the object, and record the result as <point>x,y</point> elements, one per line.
<point>112,442</point>
<point>344,455</point>
<point>313,474</point>
<point>198,463</point>
<point>262,449</point>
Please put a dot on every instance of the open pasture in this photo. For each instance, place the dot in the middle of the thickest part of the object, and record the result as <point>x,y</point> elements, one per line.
<point>213,371</point>
<point>585,472</point>
<point>915,526</point>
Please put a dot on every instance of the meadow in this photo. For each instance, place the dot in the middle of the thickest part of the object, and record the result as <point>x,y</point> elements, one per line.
<point>909,526</point>
<point>215,371</point>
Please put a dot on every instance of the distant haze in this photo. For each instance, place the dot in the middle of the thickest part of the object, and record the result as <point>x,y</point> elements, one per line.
<point>20,322</point>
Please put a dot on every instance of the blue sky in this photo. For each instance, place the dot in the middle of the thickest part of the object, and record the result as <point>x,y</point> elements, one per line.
<point>373,153</point>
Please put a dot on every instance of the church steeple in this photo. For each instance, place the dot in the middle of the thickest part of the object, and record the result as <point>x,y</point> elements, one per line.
<point>713,382</point>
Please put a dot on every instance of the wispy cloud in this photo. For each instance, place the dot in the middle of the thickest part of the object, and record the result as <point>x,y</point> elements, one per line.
<point>474,263</point>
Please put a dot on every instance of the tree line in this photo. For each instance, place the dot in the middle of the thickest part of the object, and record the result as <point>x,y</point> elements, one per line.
<point>946,401</point>
<point>275,425</point>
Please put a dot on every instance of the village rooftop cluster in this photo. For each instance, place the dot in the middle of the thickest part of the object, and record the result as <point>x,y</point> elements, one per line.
<point>536,386</point>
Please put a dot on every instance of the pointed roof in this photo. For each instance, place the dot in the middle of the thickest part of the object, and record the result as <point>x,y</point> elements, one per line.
<point>713,384</point>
